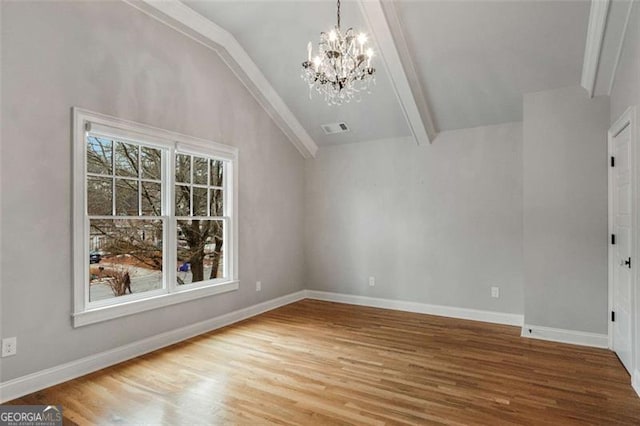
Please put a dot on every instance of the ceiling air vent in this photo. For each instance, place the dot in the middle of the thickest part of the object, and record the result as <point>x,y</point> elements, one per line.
<point>333,128</point>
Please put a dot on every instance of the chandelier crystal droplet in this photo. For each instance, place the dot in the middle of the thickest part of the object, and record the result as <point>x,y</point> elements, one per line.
<point>341,71</point>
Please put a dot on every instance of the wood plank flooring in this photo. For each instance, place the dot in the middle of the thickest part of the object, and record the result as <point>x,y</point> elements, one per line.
<point>315,362</point>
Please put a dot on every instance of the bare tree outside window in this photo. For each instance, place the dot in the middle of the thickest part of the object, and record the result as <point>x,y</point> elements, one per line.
<point>124,194</point>
<point>125,203</point>
<point>199,198</point>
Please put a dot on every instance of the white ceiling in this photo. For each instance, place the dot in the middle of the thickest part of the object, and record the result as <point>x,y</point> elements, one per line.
<point>474,59</point>
<point>275,35</point>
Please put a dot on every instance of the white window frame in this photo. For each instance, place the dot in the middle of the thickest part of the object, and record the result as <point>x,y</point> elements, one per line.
<point>87,122</point>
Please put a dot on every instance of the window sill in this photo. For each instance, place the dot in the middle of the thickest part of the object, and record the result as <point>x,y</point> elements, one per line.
<point>92,316</point>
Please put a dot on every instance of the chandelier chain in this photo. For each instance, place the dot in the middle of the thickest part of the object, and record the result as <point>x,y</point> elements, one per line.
<point>338,14</point>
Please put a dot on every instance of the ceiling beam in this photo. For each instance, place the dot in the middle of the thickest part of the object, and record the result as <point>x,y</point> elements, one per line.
<point>593,46</point>
<point>619,45</point>
<point>397,60</point>
<point>182,18</point>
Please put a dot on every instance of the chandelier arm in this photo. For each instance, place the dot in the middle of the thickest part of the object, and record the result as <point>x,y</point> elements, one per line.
<point>341,71</point>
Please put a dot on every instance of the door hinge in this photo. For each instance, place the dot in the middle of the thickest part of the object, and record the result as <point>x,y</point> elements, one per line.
<point>613,316</point>
<point>613,238</point>
<point>613,161</point>
<point>628,263</point>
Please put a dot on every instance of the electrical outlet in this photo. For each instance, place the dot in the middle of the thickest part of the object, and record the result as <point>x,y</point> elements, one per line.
<point>372,281</point>
<point>9,346</point>
<point>258,285</point>
<point>495,292</point>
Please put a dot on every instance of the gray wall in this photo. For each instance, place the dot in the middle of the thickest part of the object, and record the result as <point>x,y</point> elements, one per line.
<point>565,209</point>
<point>435,224</point>
<point>110,58</point>
<point>626,92</point>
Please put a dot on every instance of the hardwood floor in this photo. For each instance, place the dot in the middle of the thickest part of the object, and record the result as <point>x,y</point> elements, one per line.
<point>316,362</point>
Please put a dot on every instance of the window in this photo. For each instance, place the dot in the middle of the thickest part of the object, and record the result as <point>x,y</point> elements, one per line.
<point>155,218</point>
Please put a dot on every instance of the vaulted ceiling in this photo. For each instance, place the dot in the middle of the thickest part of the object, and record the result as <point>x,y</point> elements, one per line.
<point>462,63</point>
<point>275,35</point>
<point>475,59</point>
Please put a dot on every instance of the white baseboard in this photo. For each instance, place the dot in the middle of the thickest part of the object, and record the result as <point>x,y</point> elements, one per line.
<point>51,376</point>
<point>635,381</point>
<point>565,336</point>
<point>421,308</point>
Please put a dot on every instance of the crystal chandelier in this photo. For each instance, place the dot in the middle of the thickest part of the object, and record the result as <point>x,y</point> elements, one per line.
<point>341,70</point>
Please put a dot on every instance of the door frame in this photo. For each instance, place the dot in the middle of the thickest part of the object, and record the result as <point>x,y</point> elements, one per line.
<point>627,119</point>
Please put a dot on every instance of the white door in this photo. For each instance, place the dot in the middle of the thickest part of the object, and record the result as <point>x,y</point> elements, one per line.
<point>620,262</point>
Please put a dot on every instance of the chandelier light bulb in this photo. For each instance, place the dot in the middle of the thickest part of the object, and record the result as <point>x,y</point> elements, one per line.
<point>341,70</point>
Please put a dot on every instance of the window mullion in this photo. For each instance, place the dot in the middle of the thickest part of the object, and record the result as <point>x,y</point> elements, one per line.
<point>113,178</point>
<point>191,185</point>
<point>227,207</point>
<point>170,240</point>
<point>139,181</point>
<point>208,187</point>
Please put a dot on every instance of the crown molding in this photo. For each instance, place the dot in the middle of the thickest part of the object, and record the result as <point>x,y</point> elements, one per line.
<point>595,35</point>
<point>187,21</point>
<point>396,59</point>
